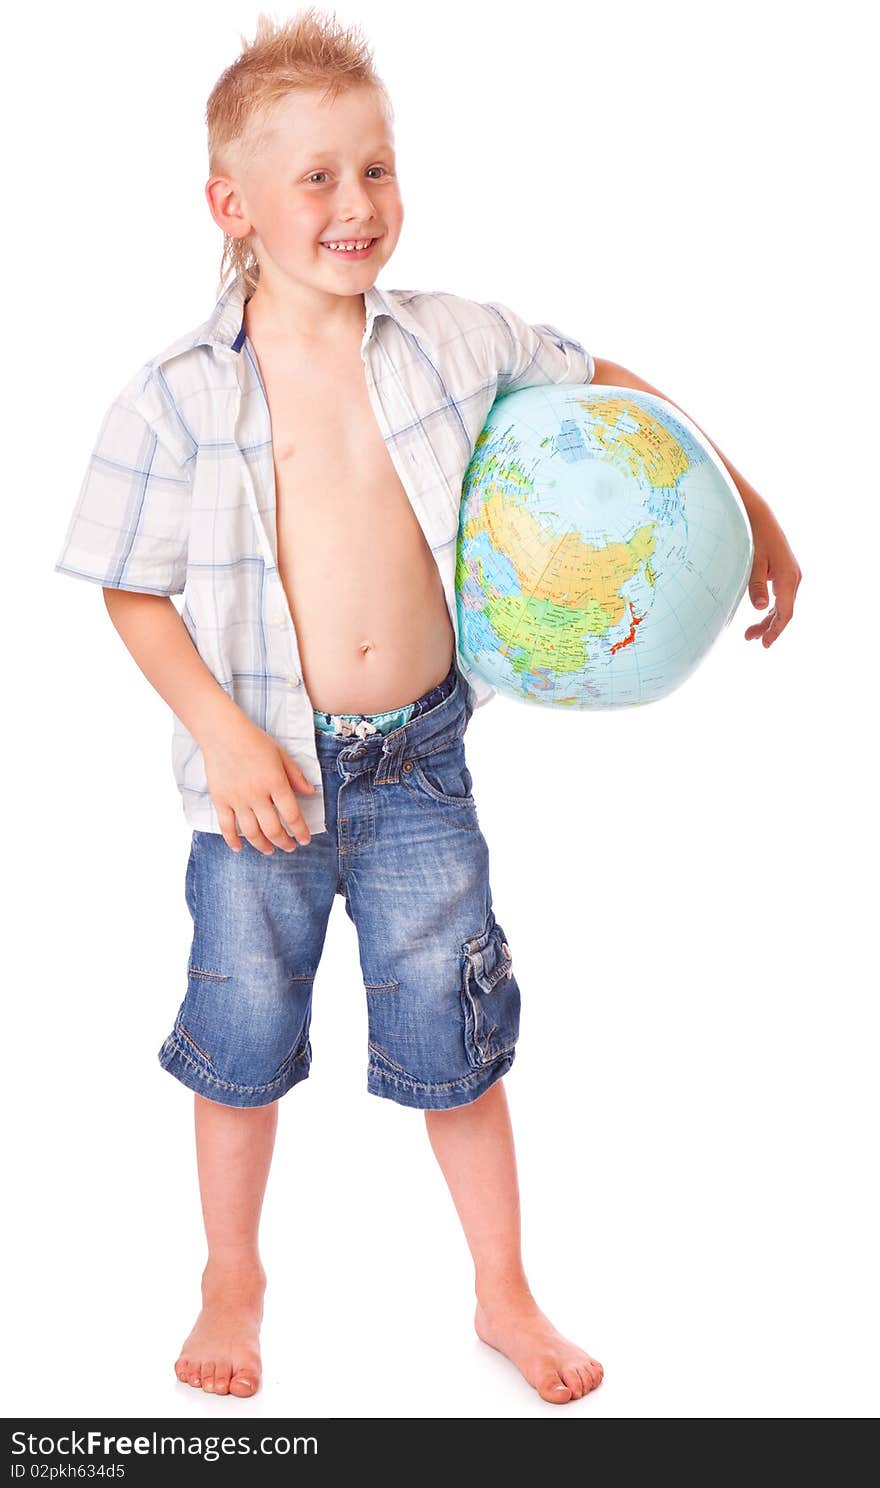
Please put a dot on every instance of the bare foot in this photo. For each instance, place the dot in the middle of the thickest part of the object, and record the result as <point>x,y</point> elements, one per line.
<point>222,1353</point>
<point>514,1324</point>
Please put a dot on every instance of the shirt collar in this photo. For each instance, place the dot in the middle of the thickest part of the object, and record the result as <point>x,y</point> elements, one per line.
<point>225,330</point>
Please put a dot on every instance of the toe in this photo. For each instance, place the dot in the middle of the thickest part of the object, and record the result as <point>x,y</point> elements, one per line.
<point>243,1382</point>
<point>572,1378</point>
<point>194,1376</point>
<point>181,1369</point>
<point>208,1375</point>
<point>221,1379</point>
<point>554,1388</point>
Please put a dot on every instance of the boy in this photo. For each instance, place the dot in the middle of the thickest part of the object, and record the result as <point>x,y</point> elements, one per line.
<point>319,705</point>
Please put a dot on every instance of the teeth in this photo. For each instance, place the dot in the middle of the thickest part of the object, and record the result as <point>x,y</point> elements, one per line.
<point>349,247</point>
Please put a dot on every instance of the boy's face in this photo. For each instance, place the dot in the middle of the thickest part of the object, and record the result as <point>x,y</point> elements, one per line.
<point>327,172</point>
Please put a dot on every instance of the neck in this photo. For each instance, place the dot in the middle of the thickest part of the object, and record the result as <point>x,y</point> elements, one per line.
<point>337,320</point>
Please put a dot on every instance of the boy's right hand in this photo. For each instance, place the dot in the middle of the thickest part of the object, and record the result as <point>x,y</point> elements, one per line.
<point>250,777</point>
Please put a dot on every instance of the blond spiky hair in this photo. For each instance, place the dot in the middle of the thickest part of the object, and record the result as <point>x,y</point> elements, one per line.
<point>311,50</point>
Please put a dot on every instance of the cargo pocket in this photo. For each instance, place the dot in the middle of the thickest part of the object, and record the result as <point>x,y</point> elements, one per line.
<point>490,996</point>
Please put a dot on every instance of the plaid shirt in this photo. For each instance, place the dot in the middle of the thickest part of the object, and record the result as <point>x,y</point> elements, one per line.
<point>179,493</point>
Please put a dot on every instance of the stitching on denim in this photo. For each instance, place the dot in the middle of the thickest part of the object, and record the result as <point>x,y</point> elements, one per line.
<point>503,967</point>
<point>425,805</point>
<point>469,1079</point>
<point>298,1051</point>
<point>441,796</point>
<point>189,1038</point>
<point>473,1022</point>
<point>447,743</point>
<point>380,986</point>
<point>393,1062</point>
<point>395,734</point>
<point>494,967</point>
<point>211,1079</point>
<point>210,976</point>
<point>300,1043</point>
<point>195,887</point>
<point>487,981</point>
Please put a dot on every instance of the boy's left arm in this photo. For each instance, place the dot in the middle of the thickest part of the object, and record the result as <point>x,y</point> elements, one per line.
<point>774,562</point>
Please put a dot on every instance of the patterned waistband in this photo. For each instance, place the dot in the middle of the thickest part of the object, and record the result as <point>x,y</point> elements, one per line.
<point>347,725</point>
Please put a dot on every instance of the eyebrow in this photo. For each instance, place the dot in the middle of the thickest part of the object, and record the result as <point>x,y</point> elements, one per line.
<point>331,154</point>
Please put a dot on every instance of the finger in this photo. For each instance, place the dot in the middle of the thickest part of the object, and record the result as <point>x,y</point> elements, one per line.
<point>250,828</point>
<point>272,827</point>
<point>760,629</point>
<point>226,818</point>
<point>296,822</point>
<point>288,806</point>
<point>288,809</point>
<point>297,777</point>
<point>775,630</point>
<point>784,589</point>
<point>758,582</point>
<point>775,625</point>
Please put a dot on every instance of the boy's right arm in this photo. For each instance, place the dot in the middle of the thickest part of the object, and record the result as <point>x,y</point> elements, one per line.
<point>250,777</point>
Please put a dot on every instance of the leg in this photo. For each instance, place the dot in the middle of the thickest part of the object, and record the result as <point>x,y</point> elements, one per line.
<point>241,1035</point>
<point>234,1150</point>
<point>474,1147</point>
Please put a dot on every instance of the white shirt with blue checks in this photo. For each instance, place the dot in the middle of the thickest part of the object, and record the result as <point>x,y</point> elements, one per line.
<point>179,493</point>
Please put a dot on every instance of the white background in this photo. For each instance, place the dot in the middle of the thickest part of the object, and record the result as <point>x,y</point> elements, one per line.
<point>689,889</point>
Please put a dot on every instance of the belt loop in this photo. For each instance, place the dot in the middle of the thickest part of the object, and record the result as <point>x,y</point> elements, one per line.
<point>388,767</point>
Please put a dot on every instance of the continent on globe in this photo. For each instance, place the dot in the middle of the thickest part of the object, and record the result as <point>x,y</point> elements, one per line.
<point>602,547</point>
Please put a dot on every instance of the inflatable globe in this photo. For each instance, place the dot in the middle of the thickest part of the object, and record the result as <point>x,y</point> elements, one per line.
<point>602,547</point>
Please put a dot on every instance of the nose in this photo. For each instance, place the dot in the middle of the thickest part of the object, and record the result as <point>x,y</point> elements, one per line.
<point>360,205</point>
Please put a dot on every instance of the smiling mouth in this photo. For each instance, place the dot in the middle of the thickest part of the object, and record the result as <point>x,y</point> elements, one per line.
<point>346,245</point>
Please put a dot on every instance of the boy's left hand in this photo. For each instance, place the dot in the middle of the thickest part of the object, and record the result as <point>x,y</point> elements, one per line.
<point>773,561</point>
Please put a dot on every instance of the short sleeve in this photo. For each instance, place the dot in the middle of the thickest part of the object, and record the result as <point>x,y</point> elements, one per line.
<point>527,355</point>
<point>130,525</point>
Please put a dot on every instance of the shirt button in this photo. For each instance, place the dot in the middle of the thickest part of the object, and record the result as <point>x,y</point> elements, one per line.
<point>293,680</point>
<point>278,617</point>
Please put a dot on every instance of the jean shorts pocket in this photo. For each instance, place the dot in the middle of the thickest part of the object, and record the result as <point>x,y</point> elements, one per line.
<point>490,996</point>
<point>443,775</point>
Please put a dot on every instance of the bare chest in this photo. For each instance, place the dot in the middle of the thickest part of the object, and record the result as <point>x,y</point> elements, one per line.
<point>361,582</point>
<point>334,478</point>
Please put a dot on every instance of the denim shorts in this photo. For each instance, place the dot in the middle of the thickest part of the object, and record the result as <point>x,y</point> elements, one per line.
<point>404,848</point>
